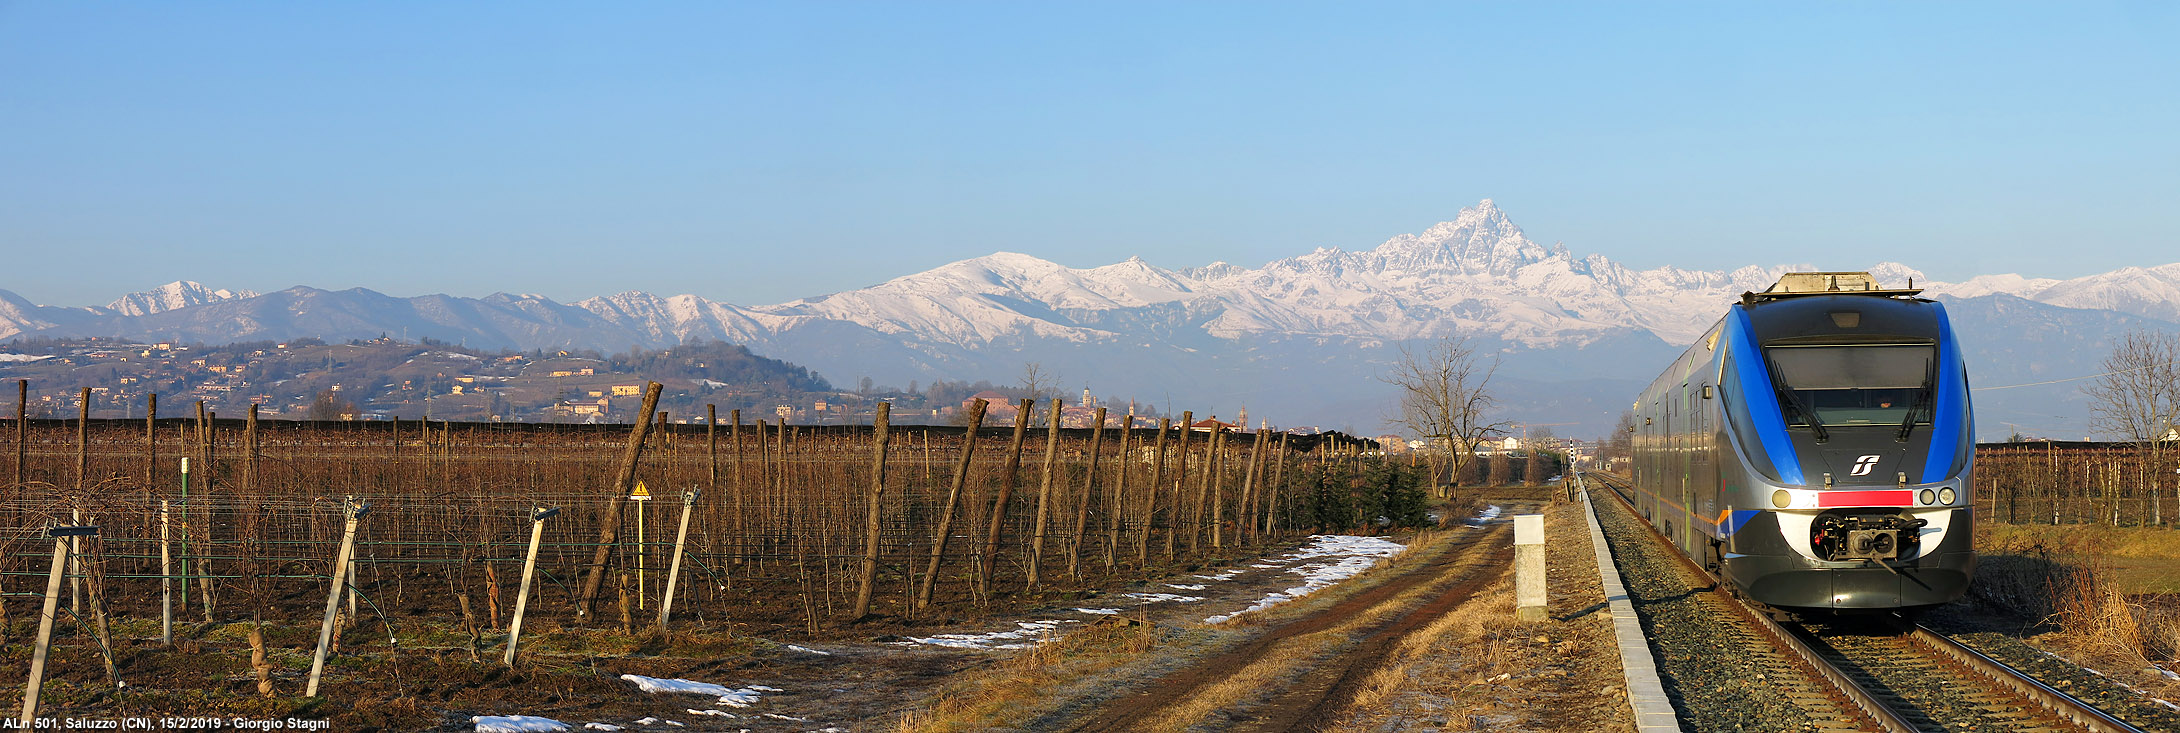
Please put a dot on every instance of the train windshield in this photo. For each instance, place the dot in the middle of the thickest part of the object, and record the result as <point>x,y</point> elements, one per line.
<point>1826,386</point>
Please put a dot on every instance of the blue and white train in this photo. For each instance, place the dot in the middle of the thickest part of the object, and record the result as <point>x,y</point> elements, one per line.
<point>1814,448</point>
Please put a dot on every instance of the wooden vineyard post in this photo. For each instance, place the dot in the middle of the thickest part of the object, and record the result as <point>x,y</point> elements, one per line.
<point>953,501</point>
<point>990,557</point>
<point>1044,495</point>
<point>741,520</point>
<point>355,514</point>
<point>1180,481</point>
<point>538,515</point>
<point>1245,523</point>
<point>22,428</point>
<point>166,576</point>
<point>609,530</point>
<point>874,520</point>
<point>60,536</point>
<point>151,442</point>
<point>1215,476</point>
<point>1150,497</point>
<point>1082,498</point>
<point>1279,481</point>
<point>673,570</point>
<point>250,452</point>
<point>1116,500</point>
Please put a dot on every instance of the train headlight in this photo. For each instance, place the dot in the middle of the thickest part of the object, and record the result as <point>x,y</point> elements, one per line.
<point>1926,497</point>
<point>1946,495</point>
<point>1781,498</point>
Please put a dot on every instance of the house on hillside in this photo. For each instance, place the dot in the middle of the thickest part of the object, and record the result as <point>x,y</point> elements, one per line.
<point>1213,423</point>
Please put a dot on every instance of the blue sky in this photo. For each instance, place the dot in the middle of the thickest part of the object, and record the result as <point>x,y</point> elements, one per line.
<point>758,153</point>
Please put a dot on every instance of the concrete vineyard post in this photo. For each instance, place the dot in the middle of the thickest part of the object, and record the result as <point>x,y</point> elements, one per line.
<point>1044,495</point>
<point>354,512</point>
<point>1212,444</point>
<point>538,516</point>
<point>874,520</point>
<point>673,569</point>
<point>609,530</point>
<point>953,502</point>
<point>1529,594</point>
<point>83,472</point>
<point>166,577</point>
<point>36,684</point>
<point>185,533</point>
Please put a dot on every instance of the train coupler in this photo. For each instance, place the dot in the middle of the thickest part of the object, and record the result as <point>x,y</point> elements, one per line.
<point>1864,536</point>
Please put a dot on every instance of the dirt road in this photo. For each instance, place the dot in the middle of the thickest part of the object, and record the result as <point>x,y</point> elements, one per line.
<point>1298,673</point>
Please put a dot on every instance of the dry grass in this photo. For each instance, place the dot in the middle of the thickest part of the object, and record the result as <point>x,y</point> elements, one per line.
<point>1020,687</point>
<point>2066,578</point>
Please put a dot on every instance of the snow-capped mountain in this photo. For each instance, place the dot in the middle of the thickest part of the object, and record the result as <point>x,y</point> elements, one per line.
<point>1300,336</point>
<point>172,296</point>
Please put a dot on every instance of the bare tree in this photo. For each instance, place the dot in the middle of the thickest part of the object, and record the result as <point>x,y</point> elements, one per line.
<point>2138,399</point>
<point>1040,384</point>
<point>1445,395</point>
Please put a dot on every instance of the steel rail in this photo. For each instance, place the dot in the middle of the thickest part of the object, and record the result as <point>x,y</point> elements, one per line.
<point>2060,703</point>
<point>1880,714</point>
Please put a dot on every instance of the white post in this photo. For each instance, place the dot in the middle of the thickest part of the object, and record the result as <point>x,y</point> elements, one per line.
<point>61,537</point>
<point>166,578</point>
<point>673,572</point>
<point>529,567</point>
<point>333,596</point>
<point>1529,595</point>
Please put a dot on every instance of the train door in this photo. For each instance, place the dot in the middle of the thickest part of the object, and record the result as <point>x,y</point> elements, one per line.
<point>1693,419</point>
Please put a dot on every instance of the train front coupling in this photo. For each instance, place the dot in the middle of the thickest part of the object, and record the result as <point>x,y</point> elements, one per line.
<point>1840,536</point>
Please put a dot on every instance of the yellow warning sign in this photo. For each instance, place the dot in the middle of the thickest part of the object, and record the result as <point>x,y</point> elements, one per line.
<point>641,493</point>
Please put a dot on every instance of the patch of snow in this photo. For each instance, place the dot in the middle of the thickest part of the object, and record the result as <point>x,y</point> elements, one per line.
<point>1350,556</point>
<point>23,357</point>
<point>1489,513</point>
<point>787,717</point>
<point>1185,586</point>
<point>601,726</point>
<point>694,711</point>
<point>1021,637</point>
<point>1149,598</point>
<point>1099,611</point>
<point>1225,575</point>
<point>692,687</point>
<point>515,724</point>
<point>808,650</point>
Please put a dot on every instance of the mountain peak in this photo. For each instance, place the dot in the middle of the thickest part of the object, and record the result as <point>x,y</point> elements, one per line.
<point>173,296</point>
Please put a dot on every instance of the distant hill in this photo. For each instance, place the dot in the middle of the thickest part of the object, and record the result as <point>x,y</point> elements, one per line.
<point>1297,340</point>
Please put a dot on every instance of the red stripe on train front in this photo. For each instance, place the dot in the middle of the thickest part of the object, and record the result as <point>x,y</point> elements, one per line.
<point>1865,498</point>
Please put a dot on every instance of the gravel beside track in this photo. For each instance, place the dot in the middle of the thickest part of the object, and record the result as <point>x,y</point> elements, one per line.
<point>2132,706</point>
<point>1921,685</point>
<point>1721,675</point>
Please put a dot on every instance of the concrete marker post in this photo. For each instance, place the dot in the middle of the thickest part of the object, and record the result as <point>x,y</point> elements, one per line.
<point>1529,594</point>
<point>61,536</point>
<point>673,570</point>
<point>166,576</point>
<point>529,569</point>
<point>355,514</point>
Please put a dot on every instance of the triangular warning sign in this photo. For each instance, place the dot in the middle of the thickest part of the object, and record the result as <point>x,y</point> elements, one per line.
<point>641,493</point>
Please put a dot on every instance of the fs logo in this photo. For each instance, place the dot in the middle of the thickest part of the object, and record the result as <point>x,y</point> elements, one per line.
<point>1863,466</point>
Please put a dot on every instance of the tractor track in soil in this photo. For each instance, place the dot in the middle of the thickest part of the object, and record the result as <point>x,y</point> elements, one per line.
<point>1467,565</point>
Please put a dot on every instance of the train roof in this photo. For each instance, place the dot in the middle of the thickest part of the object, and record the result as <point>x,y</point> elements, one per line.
<point>1805,284</point>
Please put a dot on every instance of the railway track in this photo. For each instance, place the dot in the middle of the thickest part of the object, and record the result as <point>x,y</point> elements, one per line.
<point>1885,673</point>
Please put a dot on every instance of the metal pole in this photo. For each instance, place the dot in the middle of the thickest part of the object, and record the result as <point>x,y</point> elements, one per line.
<point>673,571</point>
<point>75,568</point>
<point>45,622</point>
<point>166,577</point>
<point>641,540</point>
<point>333,595</point>
<point>529,567</point>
